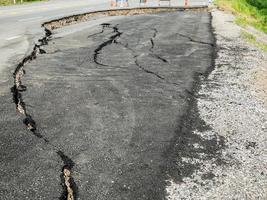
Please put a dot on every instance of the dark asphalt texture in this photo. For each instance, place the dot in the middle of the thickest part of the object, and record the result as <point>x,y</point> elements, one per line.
<point>111,102</point>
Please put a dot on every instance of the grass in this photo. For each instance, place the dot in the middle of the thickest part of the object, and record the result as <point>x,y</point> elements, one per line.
<point>252,39</point>
<point>10,2</point>
<point>249,12</point>
<point>5,2</point>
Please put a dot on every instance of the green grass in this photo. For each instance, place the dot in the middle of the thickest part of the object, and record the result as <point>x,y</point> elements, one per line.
<point>5,2</point>
<point>10,2</point>
<point>249,12</point>
<point>252,39</point>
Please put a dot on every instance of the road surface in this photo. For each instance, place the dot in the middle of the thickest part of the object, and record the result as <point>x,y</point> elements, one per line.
<point>20,25</point>
<point>117,141</point>
<point>110,101</point>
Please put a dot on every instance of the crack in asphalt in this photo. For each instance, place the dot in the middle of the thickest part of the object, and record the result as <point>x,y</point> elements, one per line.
<point>153,37</point>
<point>193,40</point>
<point>18,88</point>
<point>104,25</point>
<point>112,39</point>
<point>146,70</point>
<point>192,95</point>
<point>138,64</point>
<point>159,57</point>
<point>76,18</point>
<point>21,108</point>
<point>69,186</point>
<point>153,45</point>
<point>135,56</point>
<point>155,32</point>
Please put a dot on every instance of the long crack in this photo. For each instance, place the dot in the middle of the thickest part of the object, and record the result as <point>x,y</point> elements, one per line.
<point>152,39</point>
<point>18,87</point>
<point>112,39</point>
<point>68,184</point>
<point>73,19</point>
<point>135,56</point>
<point>153,45</point>
<point>146,70</point>
<point>17,90</point>
<point>138,64</point>
<point>193,40</point>
<point>160,58</point>
<point>104,25</point>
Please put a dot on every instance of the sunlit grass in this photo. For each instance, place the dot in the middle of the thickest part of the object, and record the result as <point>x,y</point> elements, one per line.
<point>5,2</point>
<point>252,39</point>
<point>249,12</point>
<point>11,2</point>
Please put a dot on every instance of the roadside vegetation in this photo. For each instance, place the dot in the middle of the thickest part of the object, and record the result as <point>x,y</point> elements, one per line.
<point>11,2</point>
<point>249,12</point>
<point>252,39</point>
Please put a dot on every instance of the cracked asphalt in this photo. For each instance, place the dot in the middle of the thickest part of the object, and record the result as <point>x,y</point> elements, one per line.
<point>111,102</point>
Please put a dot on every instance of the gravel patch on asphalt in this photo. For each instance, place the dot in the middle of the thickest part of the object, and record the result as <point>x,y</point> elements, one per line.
<point>227,102</point>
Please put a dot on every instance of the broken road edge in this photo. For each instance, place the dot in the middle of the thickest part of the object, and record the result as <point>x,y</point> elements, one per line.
<point>70,190</point>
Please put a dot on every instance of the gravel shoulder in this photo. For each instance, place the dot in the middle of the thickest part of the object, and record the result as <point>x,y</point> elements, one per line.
<point>232,103</point>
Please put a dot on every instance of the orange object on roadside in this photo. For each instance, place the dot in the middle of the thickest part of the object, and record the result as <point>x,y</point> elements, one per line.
<point>186,2</point>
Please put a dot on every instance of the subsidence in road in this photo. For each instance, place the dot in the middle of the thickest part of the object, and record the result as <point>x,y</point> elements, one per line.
<point>111,104</point>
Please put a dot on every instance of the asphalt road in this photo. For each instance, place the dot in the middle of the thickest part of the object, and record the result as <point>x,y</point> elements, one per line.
<point>20,25</point>
<point>111,102</point>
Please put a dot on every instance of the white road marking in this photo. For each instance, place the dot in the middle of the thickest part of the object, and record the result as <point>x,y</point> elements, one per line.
<point>30,19</point>
<point>13,37</point>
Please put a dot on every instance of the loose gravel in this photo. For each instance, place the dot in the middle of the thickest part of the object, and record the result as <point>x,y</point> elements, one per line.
<point>229,103</point>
